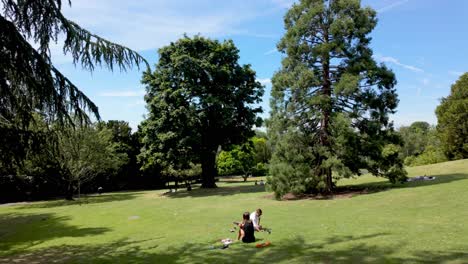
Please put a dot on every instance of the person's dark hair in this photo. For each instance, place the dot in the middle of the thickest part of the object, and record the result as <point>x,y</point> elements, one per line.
<point>259,211</point>
<point>246,216</point>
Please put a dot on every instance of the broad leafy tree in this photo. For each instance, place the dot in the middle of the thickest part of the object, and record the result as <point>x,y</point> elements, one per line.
<point>238,161</point>
<point>421,144</point>
<point>86,152</point>
<point>330,100</point>
<point>29,82</point>
<point>452,117</point>
<point>125,143</point>
<point>250,158</point>
<point>415,138</point>
<point>199,99</point>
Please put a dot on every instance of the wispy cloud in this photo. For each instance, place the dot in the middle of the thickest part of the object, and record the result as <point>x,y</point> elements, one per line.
<point>137,103</point>
<point>425,81</point>
<point>456,73</point>
<point>149,24</point>
<point>122,93</point>
<point>395,61</point>
<point>283,3</point>
<point>392,6</point>
<point>265,81</point>
<point>271,51</point>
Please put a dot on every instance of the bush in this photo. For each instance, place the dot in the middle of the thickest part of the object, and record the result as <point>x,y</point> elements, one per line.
<point>430,155</point>
<point>260,169</point>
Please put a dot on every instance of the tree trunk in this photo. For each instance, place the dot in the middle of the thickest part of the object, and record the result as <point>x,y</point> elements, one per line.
<point>209,169</point>
<point>69,192</point>
<point>326,111</point>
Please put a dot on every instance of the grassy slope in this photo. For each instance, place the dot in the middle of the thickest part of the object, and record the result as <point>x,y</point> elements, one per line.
<point>419,222</point>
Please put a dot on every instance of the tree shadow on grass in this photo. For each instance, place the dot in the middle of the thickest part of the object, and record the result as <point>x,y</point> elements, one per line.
<point>20,231</point>
<point>358,249</point>
<point>84,200</point>
<point>219,191</point>
<point>373,187</point>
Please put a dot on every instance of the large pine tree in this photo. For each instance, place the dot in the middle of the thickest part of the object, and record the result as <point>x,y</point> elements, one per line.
<point>331,100</point>
<point>29,82</point>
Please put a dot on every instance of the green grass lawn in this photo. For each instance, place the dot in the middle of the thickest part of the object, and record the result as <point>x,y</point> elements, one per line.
<point>417,222</point>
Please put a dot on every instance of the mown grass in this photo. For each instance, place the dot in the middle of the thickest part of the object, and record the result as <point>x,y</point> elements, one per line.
<point>417,222</point>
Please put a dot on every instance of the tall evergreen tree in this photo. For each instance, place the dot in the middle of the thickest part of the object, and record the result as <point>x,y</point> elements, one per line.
<point>331,100</point>
<point>29,82</point>
<point>199,98</point>
<point>452,117</point>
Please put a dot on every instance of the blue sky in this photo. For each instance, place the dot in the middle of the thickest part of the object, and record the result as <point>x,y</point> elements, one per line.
<point>423,41</point>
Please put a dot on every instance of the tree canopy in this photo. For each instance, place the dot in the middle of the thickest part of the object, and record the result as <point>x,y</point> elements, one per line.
<point>247,159</point>
<point>330,100</point>
<point>452,117</point>
<point>29,82</point>
<point>199,99</point>
<point>421,144</point>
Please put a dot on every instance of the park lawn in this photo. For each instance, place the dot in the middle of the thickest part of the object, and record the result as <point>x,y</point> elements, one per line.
<point>417,222</point>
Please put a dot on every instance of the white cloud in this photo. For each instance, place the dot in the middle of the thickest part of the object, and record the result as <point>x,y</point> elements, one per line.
<point>456,73</point>
<point>264,81</point>
<point>391,6</point>
<point>149,24</point>
<point>395,61</point>
<point>122,93</point>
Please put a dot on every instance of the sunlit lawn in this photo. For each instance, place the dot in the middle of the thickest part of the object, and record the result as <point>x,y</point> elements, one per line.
<point>418,222</point>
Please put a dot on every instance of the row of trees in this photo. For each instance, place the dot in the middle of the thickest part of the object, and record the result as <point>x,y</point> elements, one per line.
<point>426,144</point>
<point>69,160</point>
<point>330,108</point>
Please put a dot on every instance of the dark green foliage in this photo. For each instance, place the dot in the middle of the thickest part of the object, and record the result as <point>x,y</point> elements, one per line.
<point>452,116</point>
<point>62,160</point>
<point>30,83</point>
<point>128,174</point>
<point>199,99</point>
<point>82,153</point>
<point>331,100</point>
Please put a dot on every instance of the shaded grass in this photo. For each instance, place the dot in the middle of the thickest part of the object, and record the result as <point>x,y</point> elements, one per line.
<point>21,231</point>
<point>417,222</point>
<point>296,249</point>
<point>85,199</point>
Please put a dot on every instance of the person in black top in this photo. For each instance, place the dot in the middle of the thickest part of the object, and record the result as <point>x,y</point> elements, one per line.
<point>246,229</point>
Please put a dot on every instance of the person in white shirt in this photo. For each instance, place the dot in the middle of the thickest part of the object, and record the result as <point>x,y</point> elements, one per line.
<point>255,218</point>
